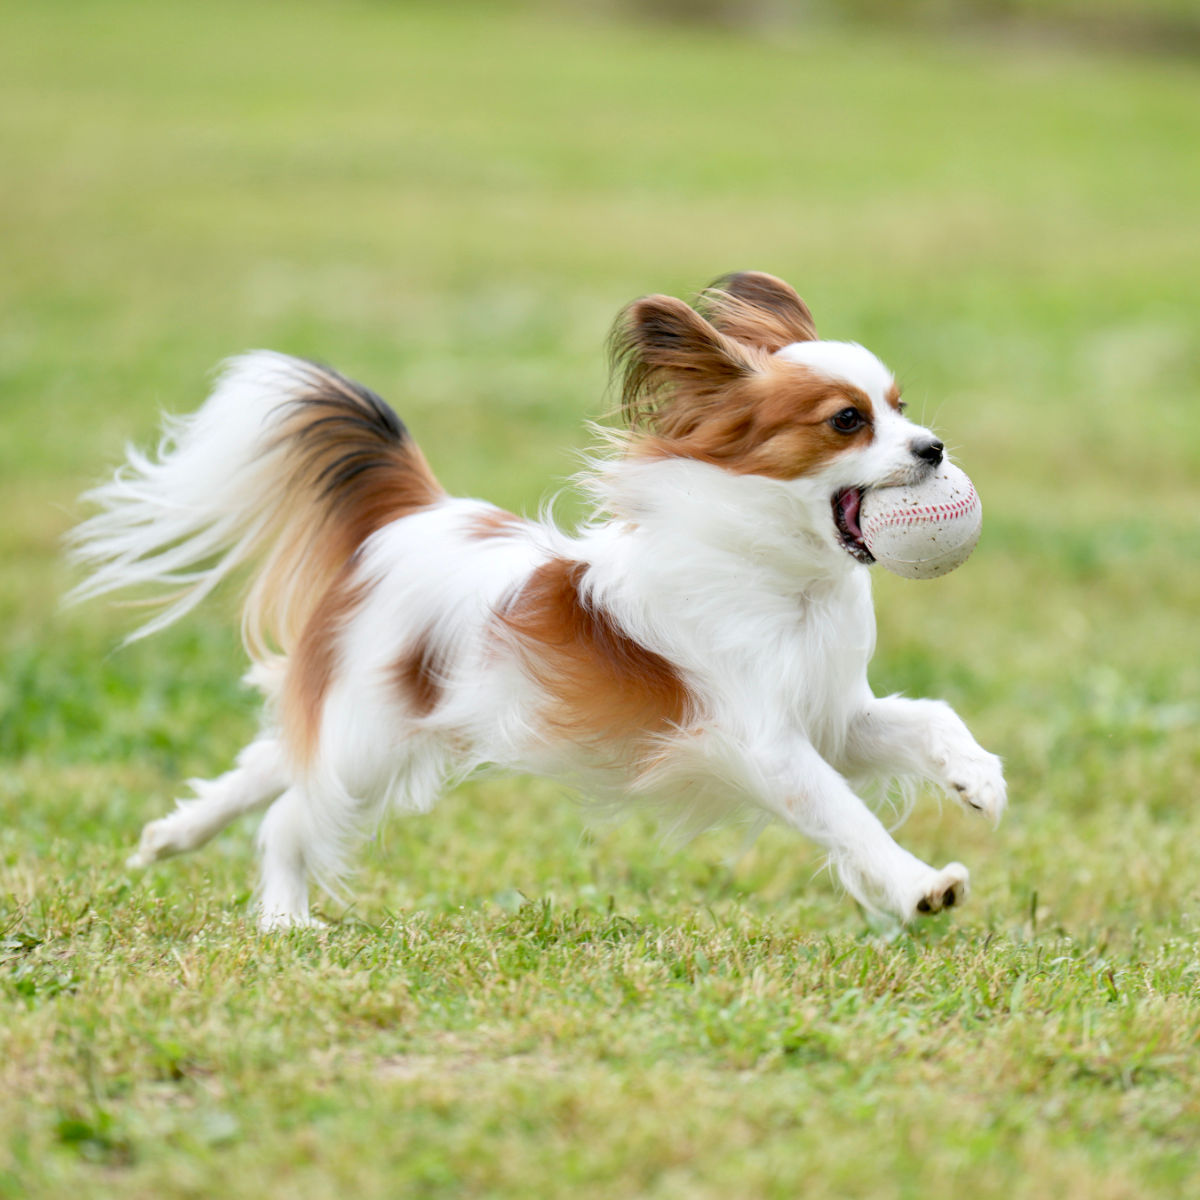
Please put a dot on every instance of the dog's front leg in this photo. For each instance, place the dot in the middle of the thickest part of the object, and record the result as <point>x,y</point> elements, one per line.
<point>811,797</point>
<point>896,736</point>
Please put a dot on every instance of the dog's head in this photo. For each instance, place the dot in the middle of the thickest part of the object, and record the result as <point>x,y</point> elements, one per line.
<point>743,382</point>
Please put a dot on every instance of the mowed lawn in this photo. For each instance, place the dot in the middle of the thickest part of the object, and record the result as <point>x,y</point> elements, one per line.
<point>451,203</point>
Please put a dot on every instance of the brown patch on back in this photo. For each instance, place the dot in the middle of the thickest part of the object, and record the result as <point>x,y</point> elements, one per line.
<point>417,675</point>
<point>600,683</point>
<point>493,523</point>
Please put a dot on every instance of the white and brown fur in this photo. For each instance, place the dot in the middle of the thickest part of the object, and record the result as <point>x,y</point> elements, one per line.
<point>701,643</point>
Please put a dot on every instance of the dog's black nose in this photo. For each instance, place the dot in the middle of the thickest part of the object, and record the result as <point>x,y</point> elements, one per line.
<point>930,449</point>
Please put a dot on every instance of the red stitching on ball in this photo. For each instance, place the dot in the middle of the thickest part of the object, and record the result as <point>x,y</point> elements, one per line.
<point>919,516</point>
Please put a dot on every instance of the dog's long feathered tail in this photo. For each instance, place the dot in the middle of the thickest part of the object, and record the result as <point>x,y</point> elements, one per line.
<point>287,464</point>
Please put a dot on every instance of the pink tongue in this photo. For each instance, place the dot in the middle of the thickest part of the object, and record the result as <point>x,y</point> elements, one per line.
<point>849,502</point>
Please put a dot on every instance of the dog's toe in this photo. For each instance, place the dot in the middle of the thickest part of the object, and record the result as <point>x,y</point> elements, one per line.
<point>154,844</point>
<point>281,922</point>
<point>979,785</point>
<point>947,888</point>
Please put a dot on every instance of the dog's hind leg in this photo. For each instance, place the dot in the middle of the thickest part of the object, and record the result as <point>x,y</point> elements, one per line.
<point>312,833</point>
<point>260,776</point>
<point>287,840</point>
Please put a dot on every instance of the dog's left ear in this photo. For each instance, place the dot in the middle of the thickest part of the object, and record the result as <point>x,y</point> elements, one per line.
<point>758,309</point>
<point>673,365</point>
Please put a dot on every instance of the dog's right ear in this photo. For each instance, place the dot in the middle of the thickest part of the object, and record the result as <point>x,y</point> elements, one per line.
<point>758,309</point>
<point>668,357</point>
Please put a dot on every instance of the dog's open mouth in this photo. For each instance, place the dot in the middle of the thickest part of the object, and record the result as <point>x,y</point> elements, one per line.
<point>846,505</point>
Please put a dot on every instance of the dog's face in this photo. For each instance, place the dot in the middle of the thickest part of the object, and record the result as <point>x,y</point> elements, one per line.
<point>880,446</point>
<point>746,385</point>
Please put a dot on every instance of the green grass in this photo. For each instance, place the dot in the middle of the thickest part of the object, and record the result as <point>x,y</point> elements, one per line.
<point>451,202</point>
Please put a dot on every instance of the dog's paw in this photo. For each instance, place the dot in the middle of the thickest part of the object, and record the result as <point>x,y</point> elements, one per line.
<point>281,922</point>
<point>973,776</point>
<point>978,783</point>
<point>155,843</point>
<point>943,889</point>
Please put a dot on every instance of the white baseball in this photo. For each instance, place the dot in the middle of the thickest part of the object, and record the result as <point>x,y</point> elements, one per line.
<point>923,530</point>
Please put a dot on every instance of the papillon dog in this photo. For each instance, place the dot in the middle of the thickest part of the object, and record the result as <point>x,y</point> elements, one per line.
<point>700,643</point>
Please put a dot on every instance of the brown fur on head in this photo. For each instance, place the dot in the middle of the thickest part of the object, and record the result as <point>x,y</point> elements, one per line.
<point>706,382</point>
<point>672,358</point>
<point>674,365</point>
<point>757,309</point>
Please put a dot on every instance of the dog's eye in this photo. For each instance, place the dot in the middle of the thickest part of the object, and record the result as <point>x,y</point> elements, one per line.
<point>901,406</point>
<point>849,420</point>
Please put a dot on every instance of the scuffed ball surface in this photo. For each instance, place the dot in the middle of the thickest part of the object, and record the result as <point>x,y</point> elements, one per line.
<point>923,530</point>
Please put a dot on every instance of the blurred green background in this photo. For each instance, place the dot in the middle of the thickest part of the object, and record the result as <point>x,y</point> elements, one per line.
<point>451,202</point>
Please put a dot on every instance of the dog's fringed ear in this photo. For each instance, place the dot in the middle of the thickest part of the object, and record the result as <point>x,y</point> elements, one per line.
<point>758,309</point>
<point>670,359</point>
